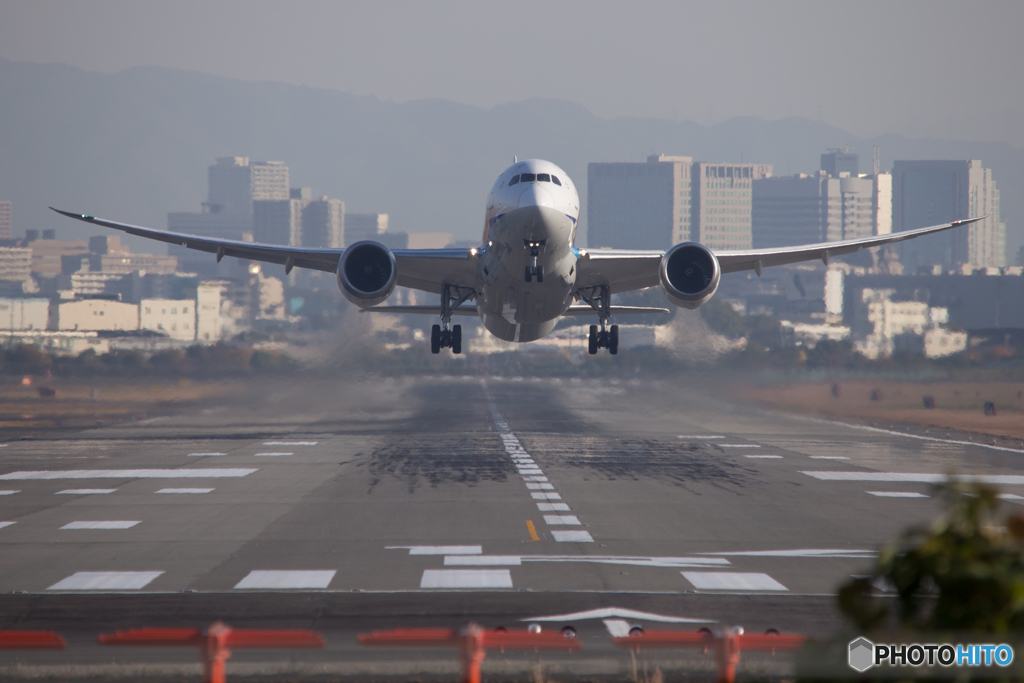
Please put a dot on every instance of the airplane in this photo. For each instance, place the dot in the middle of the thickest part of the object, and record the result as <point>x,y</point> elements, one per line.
<point>528,272</point>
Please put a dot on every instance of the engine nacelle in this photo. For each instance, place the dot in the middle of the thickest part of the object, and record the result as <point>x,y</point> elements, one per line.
<point>689,274</point>
<point>367,273</point>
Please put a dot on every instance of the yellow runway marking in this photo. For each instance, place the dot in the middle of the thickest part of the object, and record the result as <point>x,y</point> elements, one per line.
<point>533,531</point>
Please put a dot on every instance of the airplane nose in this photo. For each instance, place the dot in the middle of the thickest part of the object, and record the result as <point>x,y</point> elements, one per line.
<point>534,195</point>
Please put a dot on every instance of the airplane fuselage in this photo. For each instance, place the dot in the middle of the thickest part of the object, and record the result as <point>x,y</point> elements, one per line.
<point>529,235</point>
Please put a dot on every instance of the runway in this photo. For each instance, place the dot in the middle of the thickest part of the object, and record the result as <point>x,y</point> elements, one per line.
<point>351,505</point>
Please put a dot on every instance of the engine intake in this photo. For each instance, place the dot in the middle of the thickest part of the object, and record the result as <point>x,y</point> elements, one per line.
<point>367,273</point>
<point>689,274</point>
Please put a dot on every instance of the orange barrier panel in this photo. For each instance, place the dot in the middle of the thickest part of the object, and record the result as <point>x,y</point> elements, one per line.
<point>30,640</point>
<point>214,643</point>
<point>472,642</point>
<point>727,644</point>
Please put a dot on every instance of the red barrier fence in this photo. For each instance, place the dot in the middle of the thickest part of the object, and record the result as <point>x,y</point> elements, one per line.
<point>472,642</point>
<point>30,640</point>
<point>213,645</point>
<point>727,644</point>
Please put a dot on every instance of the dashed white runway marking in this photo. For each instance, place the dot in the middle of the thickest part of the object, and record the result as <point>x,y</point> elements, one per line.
<point>204,455</point>
<point>534,478</point>
<point>897,494</point>
<point>129,474</point>
<point>553,507</point>
<point>918,477</point>
<point>271,455</point>
<point>572,536</point>
<point>9,492</point>
<point>101,581</point>
<point>3,524</point>
<point>111,524</point>
<point>289,443</point>
<point>539,487</point>
<point>185,491</point>
<point>84,492</point>
<point>1009,496</point>
<point>540,495</point>
<point>764,457</point>
<point>265,579</point>
<point>566,520</point>
<point>736,445</point>
<point>735,581</point>
<point>481,560</point>
<point>698,438</point>
<point>829,457</point>
<point>439,549</point>
<point>466,578</point>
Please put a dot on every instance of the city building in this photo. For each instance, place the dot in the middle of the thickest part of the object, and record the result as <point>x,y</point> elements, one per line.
<point>933,192</point>
<point>174,317</point>
<point>670,199</point>
<point>49,254</point>
<point>96,314</point>
<point>300,220</point>
<point>278,221</point>
<point>323,223</point>
<point>6,221</point>
<point>364,226</point>
<point>24,314</point>
<point>837,203</point>
<point>15,264</point>
<point>208,319</point>
<point>887,326</point>
<point>235,183</point>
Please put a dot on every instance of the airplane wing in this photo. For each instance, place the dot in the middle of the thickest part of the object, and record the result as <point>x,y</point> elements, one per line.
<point>425,269</point>
<point>624,270</point>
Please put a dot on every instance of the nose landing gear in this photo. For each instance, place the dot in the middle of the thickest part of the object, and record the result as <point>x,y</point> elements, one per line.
<point>533,270</point>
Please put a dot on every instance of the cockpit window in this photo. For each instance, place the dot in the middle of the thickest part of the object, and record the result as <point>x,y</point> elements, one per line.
<point>543,178</point>
<point>555,180</point>
<point>528,177</point>
<point>515,179</point>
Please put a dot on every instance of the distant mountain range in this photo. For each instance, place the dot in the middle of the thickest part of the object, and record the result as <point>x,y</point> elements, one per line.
<point>134,145</point>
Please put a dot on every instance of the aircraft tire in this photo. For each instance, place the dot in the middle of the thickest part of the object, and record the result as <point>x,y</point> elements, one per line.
<point>435,339</point>
<point>456,338</point>
<point>593,340</point>
<point>540,273</point>
<point>613,340</point>
<point>529,274</point>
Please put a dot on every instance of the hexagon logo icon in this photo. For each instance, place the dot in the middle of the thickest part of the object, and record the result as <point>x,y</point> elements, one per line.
<point>861,655</point>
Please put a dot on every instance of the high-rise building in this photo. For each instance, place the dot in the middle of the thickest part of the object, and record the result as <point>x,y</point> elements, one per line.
<point>6,224</point>
<point>278,221</point>
<point>933,192</point>
<point>235,183</point>
<point>835,162</point>
<point>323,223</point>
<point>300,220</point>
<point>364,226</point>
<point>721,203</point>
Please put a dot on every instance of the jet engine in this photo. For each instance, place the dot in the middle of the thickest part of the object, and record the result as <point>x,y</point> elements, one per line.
<point>689,274</point>
<point>367,273</point>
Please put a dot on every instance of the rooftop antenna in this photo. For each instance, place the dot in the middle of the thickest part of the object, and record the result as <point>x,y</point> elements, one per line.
<point>875,167</point>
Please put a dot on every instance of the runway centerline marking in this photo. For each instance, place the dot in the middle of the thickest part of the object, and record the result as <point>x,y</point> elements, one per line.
<point>97,581</point>
<point>110,524</point>
<point>829,457</point>
<point>185,491</point>
<point>271,455</point>
<point>84,492</point>
<point>698,438</point>
<point>572,536</point>
<point>439,549</point>
<point>735,445</point>
<point>482,560</point>
<point>553,507</point>
<point>274,579</point>
<point>182,473</point>
<point>289,443</point>
<point>763,457</point>
<point>533,530</point>
<point>204,455</point>
<point>565,520</point>
<point>9,492</point>
<point>897,494</point>
<point>733,581</point>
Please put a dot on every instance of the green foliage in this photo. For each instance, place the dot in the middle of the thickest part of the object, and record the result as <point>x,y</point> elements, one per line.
<point>965,572</point>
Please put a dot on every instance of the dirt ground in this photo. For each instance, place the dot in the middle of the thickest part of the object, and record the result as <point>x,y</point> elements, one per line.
<point>958,405</point>
<point>77,402</point>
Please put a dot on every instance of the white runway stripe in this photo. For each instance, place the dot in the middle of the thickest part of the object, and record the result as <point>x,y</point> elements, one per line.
<point>799,552</point>
<point>185,491</point>
<point>763,457</point>
<point>566,520</point>
<point>481,560</point>
<point>736,445</point>
<point>540,487</point>
<point>918,477</point>
<point>541,495</point>
<point>439,549</point>
<point>264,579</point>
<point>698,438</point>
<point>129,474</point>
<point>735,581</point>
<point>829,457</point>
<point>531,477</point>
<point>84,492</point>
<point>897,494</point>
<point>9,492</point>
<point>99,581</point>
<point>572,536</point>
<point>271,455</point>
<point>289,443</point>
<point>100,525</point>
<point>466,578</point>
<point>3,524</point>
<point>552,507</point>
<point>204,455</point>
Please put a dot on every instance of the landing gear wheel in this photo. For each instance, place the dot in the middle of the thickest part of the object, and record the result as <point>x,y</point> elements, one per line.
<point>435,339</point>
<point>613,340</point>
<point>593,340</point>
<point>540,273</point>
<point>529,274</point>
<point>456,338</point>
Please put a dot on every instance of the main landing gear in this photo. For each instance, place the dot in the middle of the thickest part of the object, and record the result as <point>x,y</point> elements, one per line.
<point>446,335</point>
<point>533,270</point>
<point>599,299</point>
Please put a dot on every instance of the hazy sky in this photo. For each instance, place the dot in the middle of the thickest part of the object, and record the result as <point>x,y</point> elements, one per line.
<point>931,68</point>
